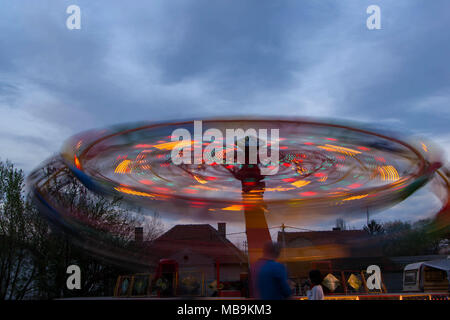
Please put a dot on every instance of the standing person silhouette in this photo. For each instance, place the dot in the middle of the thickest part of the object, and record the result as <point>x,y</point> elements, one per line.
<point>270,280</point>
<point>316,293</point>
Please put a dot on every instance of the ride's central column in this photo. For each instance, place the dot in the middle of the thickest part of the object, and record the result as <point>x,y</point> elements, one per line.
<point>256,227</point>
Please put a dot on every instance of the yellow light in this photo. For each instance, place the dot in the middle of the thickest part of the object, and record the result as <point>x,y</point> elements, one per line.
<point>123,167</point>
<point>279,189</point>
<point>424,147</point>
<point>202,187</point>
<point>343,148</point>
<point>388,173</point>
<point>171,145</point>
<point>200,180</point>
<point>133,192</point>
<point>300,183</point>
<point>234,207</point>
<point>301,170</point>
<point>355,197</point>
<point>77,162</point>
<point>333,148</point>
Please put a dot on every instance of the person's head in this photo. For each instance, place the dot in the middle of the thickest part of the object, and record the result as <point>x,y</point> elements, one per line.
<point>271,250</point>
<point>316,277</point>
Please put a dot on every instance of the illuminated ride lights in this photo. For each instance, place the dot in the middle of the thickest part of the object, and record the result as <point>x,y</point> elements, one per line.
<point>322,170</point>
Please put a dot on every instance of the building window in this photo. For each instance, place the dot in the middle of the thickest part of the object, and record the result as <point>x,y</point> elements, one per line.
<point>410,276</point>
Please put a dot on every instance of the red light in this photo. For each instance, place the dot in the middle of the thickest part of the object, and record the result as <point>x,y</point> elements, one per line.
<point>77,162</point>
<point>191,191</point>
<point>198,203</point>
<point>308,193</point>
<point>319,174</point>
<point>161,189</point>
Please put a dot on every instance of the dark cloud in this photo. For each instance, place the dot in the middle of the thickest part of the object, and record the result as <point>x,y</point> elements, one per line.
<point>156,60</point>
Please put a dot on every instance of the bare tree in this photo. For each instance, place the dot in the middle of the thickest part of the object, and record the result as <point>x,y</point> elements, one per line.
<point>101,248</point>
<point>34,254</point>
<point>340,224</point>
<point>16,267</point>
<point>153,227</point>
<point>374,228</point>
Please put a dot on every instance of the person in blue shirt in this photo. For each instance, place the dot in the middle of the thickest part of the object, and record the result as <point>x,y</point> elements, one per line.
<point>271,276</point>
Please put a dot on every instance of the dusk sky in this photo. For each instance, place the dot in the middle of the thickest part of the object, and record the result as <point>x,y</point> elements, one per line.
<point>165,60</point>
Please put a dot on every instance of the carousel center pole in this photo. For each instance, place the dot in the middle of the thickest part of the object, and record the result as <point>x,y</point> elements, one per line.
<point>256,227</point>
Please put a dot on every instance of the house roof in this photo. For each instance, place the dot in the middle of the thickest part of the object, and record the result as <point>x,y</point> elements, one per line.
<point>321,237</point>
<point>442,264</point>
<point>201,239</point>
<point>336,243</point>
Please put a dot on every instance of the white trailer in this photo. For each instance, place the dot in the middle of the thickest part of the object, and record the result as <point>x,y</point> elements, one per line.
<point>427,276</point>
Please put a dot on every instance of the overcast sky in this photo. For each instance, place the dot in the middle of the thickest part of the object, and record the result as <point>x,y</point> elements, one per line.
<point>168,59</point>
